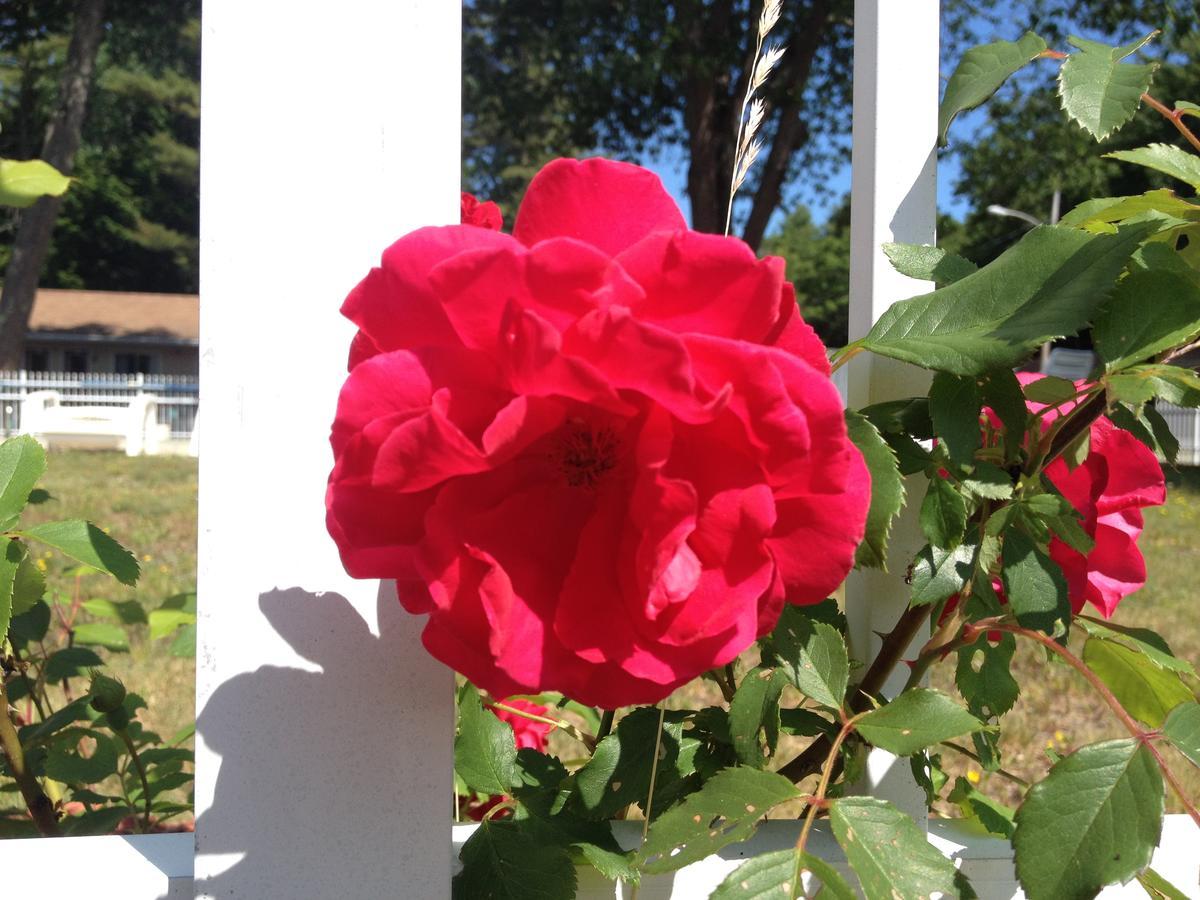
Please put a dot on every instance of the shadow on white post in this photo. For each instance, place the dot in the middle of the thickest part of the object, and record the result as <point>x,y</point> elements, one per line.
<point>325,731</point>
<point>893,198</point>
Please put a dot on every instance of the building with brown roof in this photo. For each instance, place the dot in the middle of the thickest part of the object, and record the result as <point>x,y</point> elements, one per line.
<point>111,331</point>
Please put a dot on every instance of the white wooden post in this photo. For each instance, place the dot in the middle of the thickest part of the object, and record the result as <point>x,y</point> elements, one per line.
<point>893,198</point>
<point>323,758</point>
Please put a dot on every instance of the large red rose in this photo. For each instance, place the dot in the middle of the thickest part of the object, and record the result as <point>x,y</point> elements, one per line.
<point>1109,489</point>
<point>599,453</point>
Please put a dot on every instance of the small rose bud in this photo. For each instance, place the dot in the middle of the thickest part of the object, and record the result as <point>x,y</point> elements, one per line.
<point>108,694</point>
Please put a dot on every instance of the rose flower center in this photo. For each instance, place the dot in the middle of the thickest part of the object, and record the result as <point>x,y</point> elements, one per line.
<point>585,454</point>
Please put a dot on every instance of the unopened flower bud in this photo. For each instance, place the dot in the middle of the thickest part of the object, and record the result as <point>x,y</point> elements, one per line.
<point>108,694</point>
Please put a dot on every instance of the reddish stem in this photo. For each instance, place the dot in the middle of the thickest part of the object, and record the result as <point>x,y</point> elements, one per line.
<point>1175,117</point>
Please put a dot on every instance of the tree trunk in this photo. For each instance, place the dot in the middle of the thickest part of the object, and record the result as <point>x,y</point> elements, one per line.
<point>37,222</point>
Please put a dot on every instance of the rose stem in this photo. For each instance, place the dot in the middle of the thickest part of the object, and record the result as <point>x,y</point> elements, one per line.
<point>1139,734</point>
<point>40,807</point>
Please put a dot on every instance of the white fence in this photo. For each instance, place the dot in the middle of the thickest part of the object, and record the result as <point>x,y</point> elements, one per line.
<point>1185,425</point>
<point>178,396</point>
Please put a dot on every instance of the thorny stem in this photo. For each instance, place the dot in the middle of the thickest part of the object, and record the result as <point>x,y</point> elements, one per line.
<point>818,799</point>
<point>39,805</point>
<point>582,737</point>
<point>606,725</point>
<point>1139,734</point>
<point>1074,424</point>
<point>662,714</point>
<point>141,770</point>
<point>1175,117</point>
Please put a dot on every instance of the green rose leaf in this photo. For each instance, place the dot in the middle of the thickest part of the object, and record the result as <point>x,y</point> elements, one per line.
<point>1149,312</point>
<point>65,763</point>
<point>983,675</point>
<point>86,543</point>
<point>11,554</point>
<point>722,812</point>
<point>995,817</point>
<point>128,612</point>
<point>980,73</point>
<point>928,263</point>
<point>916,719</point>
<point>1036,588</point>
<point>1147,642</point>
<point>1094,820</point>
<point>887,489</point>
<point>754,712</point>
<point>29,586</point>
<point>1002,393</point>
<point>771,876</point>
<point>939,573</point>
<point>1165,158</point>
<point>1146,691</point>
<point>1046,286</point>
<point>485,751</point>
<point>1050,390</point>
<point>812,655</point>
<point>1098,90</point>
<point>1101,214</point>
<point>71,661</point>
<point>618,773</point>
<point>989,482</point>
<point>888,852</point>
<point>1157,887</point>
<point>943,514</point>
<point>22,182</point>
<point>500,862</point>
<point>954,404</point>
<point>1168,444</point>
<point>102,634</point>
<point>22,463</point>
<point>1182,729</point>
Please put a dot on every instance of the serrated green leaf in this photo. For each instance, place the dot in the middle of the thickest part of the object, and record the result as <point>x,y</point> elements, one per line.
<point>928,263</point>
<point>1146,691</point>
<point>954,404</point>
<point>939,573</point>
<point>70,662</point>
<point>811,654</point>
<point>943,514</point>
<point>980,73</point>
<point>1094,820</point>
<point>22,463</point>
<point>754,715</point>
<point>128,612</point>
<point>1003,395</point>
<point>11,554</point>
<point>502,863</point>
<point>31,625</point>
<point>485,751</point>
<point>916,719</point>
<point>1149,312</point>
<point>184,644</point>
<point>1046,286</point>
<point>1149,643</point>
<point>29,586</point>
<point>988,687</point>
<point>102,634</point>
<point>888,852</point>
<point>618,773</point>
<point>1107,211</point>
<point>65,763</point>
<point>22,182</point>
<point>887,489</point>
<point>1035,585</point>
<point>1098,90</point>
<point>722,812</point>
<point>86,543</point>
<point>770,877</point>
<point>1165,158</point>
<point>1168,444</point>
<point>1182,729</point>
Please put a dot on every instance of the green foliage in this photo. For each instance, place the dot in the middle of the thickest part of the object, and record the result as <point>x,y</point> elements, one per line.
<point>928,263</point>
<point>984,677</point>
<point>1099,91</point>
<point>943,514</point>
<point>818,266</point>
<point>1147,691</point>
<point>939,573</point>
<point>618,773</point>
<point>887,489</point>
<point>981,72</point>
<point>888,851</point>
<point>1094,820</point>
<point>485,752</point>
<point>771,876</point>
<point>811,654</point>
<point>723,812</point>
<point>1182,729</point>
<point>1150,311</point>
<point>916,719</point>
<point>754,716</point>
<point>501,862</point>
<point>1045,287</point>
<point>89,545</point>
<point>1165,158</point>
<point>1036,588</point>
<point>22,183</point>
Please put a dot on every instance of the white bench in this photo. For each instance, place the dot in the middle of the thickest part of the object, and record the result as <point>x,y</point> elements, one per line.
<point>132,427</point>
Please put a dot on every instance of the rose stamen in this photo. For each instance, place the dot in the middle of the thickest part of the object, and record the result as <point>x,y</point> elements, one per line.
<point>584,455</point>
